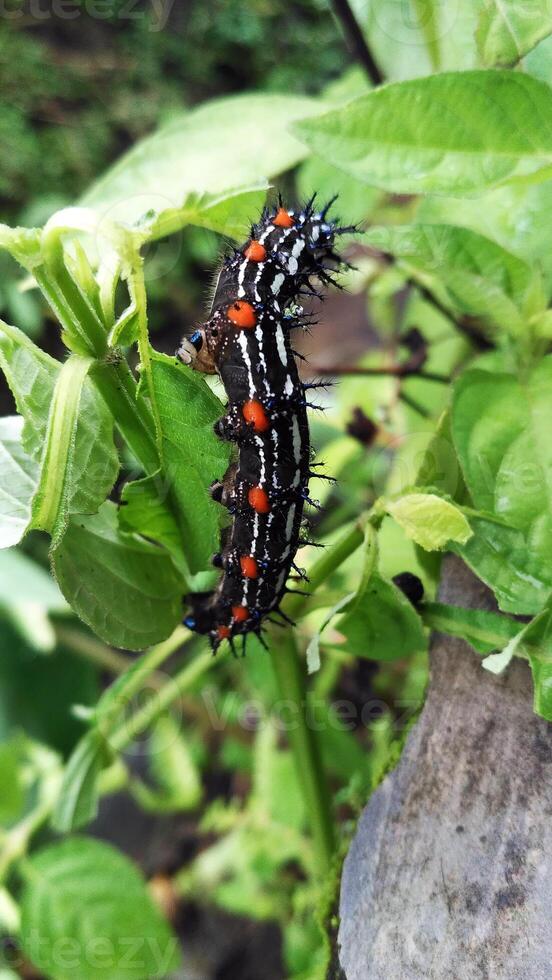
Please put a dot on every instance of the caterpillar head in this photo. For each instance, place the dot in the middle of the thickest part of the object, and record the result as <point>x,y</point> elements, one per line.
<point>194,352</point>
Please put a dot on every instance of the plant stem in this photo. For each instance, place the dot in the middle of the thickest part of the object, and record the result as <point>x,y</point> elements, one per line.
<point>357,41</point>
<point>464,323</point>
<point>290,675</point>
<point>137,289</point>
<point>72,308</point>
<point>494,629</point>
<point>414,405</point>
<point>16,840</point>
<point>48,507</point>
<point>306,751</point>
<point>93,650</point>
<point>153,710</point>
<point>322,568</point>
<point>396,371</point>
<point>117,387</point>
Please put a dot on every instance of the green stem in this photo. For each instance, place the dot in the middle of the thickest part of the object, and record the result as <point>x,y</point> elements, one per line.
<point>290,674</point>
<point>62,421</point>
<point>16,842</point>
<point>163,699</point>
<point>92,650</point>
<point>88,323</point>
<point>494,629</point>
<point>75,313</point>
<point>137,289</point>
<point>291,681</point>
<point>117,387</point>
<point>322,568</point>
<point>143,670</point>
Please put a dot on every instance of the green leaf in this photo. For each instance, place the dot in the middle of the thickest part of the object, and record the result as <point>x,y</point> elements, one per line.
<point>347,86</point>
<point>438,465</point>
<point>27,595</point>
<point>91,462</point>
<point>31,375</point>
<point>126,589</point>
<point>429,520</point>
<point>470,273</point>
<point>22,579</point>
<point>78,311</point>
<point>355,201</point>
<point>239,873</point>
<point>499,426</point>
<point>401,34</point>
<point>369,566</point>
<point>184,157</point>
<point>483,630</point>
<point>32,776</point>
<point>86,912</point>
<point>147,510</point>
<point>23,244</point>
<point>538,61</point>
<point>533,641</point>
<point>124,332</point>
<point>347,602</point>
<point>315,175</point>
<point>228,214</point>
<point>507,30</point>
<point>276,792</point>
<point>453,133</point>
<point>536,643</point>
<point>342,753</point>
<point>501,556</point>
<point>77,803</point>
<point>379,623</point>
<point>394,34</point>
<point>384,625</point>
<point>513,215</point>
<point>193,456</point>
<point>18,480</point>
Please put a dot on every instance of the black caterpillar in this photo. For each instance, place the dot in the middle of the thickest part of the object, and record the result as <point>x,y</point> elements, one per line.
<point>246,340</point>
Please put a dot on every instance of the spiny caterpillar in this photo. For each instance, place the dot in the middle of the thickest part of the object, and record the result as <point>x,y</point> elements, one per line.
<point>246,340</point>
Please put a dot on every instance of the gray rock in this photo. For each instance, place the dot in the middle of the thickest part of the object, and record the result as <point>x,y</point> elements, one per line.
<point>449,875</point>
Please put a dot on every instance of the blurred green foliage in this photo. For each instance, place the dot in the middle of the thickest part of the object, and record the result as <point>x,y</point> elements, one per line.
<point>77,92</point>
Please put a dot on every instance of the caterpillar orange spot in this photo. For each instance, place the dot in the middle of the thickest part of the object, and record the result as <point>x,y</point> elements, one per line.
<point>249,566</point>
<point>283,219</point>
<point>241,315</point>
<point>255,252</point>
<point>258,498</point>
<point>254,413</point>
<point>240,613</point>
